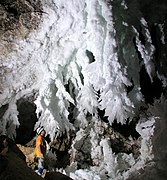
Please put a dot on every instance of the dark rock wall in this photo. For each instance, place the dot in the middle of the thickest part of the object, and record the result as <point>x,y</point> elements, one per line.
<point>154,13</point>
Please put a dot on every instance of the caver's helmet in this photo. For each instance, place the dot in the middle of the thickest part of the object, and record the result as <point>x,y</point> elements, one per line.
<point>39,130</point>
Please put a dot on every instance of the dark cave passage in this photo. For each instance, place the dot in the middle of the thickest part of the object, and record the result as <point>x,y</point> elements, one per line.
<point>27,118</point>
<point>148,89</point>
<point>127,129</point>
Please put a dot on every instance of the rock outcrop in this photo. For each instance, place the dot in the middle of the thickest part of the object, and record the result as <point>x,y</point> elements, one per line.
<point>13,163</point>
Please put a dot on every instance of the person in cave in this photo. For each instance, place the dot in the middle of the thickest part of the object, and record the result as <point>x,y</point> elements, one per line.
<point>40,149</point>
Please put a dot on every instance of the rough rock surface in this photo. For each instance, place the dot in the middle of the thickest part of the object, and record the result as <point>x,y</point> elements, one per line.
<point>13,163</point>
<point>18,18</point>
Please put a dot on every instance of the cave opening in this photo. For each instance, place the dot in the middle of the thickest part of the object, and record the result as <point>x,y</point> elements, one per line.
<point>126,140</point>
<point>27,119</point>
<point>128,129</point>
<point>125,129</point>
<point>150,90</point>
<point>119,135</point>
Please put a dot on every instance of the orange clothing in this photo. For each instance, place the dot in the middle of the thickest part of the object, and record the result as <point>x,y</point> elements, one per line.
<point>40,146</point>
